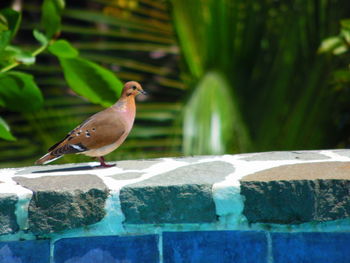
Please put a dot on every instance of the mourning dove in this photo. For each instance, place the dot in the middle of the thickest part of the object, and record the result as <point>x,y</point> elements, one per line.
<point>103,132</point>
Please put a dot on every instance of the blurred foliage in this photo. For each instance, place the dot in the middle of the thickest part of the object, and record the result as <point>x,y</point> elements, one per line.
<point>339,46</point>
<point>224,76</point>
<point>340,43</point>
<point>211,119</point>
<point>276,84</point>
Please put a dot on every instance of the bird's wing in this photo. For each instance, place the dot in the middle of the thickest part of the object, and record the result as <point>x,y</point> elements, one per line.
<point>101,129</point>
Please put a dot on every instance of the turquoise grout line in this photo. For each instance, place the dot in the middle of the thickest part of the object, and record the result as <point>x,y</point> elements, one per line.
<point>52,250</point>
<point>21,212</point>
<point>160,246</point>
<point>269,247</point>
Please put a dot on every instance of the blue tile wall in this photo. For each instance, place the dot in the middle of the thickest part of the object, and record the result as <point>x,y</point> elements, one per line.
<point>311,247</point>
<point>215,247</point>
<point>185,247</point>
<point>33,251</point>
<point>107,249</point>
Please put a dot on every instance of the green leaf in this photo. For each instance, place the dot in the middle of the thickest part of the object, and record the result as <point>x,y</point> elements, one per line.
<point>329,44</point>
<point>19,92</point>
<point>60,4</point>
<point>20,55</point>
<point>42,39</point>
<point>51,18</point>
<point>340,50</point>
<point>3,23</point>
<point>63,49</point>
<point>13,19</point>
<point>7,56</point>
<point>212,122</point>
<point>190,35</point>
<point>92,81</point>
<point>25,57</point>
<point>5,37</point>
<point>346,35</point>
<point>5,131</point>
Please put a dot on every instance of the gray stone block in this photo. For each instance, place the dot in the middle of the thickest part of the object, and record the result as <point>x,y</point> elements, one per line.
<point>183,195</point>
<point>281,202</point>
<point>126,176</point>
<point>8,223</point>
<point>137,165</point>
<point>294,194</point>
<point>279,156</point>
<point>194,159</point>
<point>62,168</point>
<point>64,202</point>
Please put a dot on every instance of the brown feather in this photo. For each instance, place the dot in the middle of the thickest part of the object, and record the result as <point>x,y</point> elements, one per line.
<point>102,129</point>
<point>101,133</point>
<point>47,158</point>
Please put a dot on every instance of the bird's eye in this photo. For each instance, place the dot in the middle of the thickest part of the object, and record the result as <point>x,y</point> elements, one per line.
<point>133,87</point>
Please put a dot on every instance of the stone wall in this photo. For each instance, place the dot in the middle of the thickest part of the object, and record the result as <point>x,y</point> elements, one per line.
<point>262,207</point>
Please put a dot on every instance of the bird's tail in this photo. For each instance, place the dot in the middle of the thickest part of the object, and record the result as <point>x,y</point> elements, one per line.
<point>47,158</point>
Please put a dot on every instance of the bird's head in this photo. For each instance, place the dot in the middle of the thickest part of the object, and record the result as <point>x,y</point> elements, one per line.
<point>132,88</point>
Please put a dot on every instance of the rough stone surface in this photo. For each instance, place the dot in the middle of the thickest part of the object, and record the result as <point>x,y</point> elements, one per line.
<point>194,159</point>
<point>137,165</point>
<point>278,156</point>
<point>8,222</point>
<point>183,195</point>
<point>293,194</point>
<point>126,176</point>
<point>62,168</point>
<point>64,202</point>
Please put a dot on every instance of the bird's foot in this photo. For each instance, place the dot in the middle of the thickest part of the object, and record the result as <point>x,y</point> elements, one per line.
<point>106,165</point>
<point>103,163</point>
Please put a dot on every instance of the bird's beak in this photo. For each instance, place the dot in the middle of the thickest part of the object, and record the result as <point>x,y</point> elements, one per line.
<point>143,92</point>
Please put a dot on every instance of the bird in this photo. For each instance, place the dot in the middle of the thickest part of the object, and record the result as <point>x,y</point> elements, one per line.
<point>103,132</point>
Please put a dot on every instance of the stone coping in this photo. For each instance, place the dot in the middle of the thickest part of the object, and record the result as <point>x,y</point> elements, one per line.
<point>283,191</point>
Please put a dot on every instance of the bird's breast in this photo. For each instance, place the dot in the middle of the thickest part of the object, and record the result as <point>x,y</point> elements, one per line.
<point>127,111</point>
<point>105,149</point>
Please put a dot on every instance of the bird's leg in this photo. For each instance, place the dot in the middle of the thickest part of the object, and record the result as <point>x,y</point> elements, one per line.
<point>103,164</point>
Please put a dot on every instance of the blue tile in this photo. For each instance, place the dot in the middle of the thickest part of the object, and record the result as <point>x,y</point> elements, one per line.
<point>107,249</point>
<point>32,251</point>
<point>311,247</point>
<point>215,246</point>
